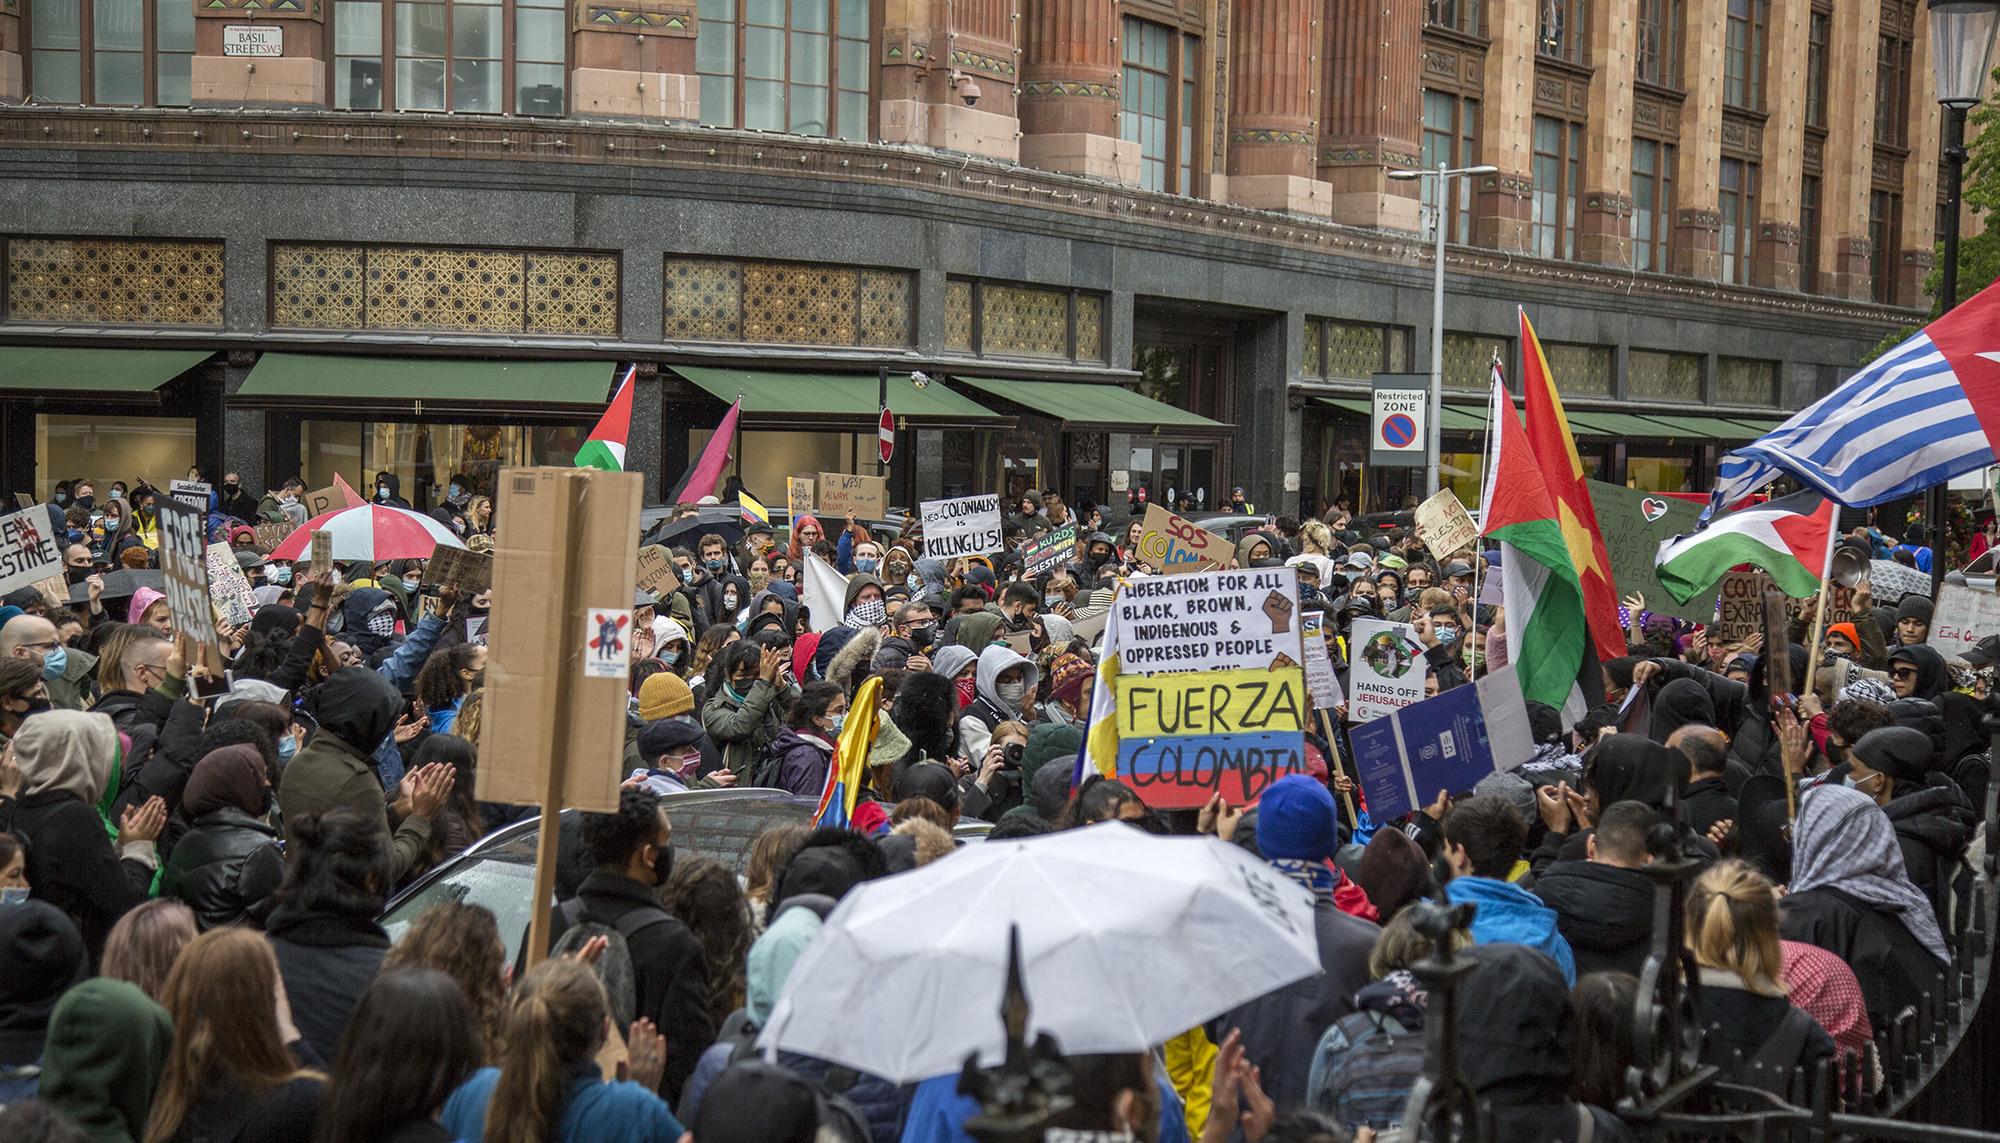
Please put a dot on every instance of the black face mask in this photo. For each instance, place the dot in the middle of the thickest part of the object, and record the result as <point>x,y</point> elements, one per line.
<point>922,636</point>
<point>663,864</point>
<point>35,706</point>
<point>77,575</point>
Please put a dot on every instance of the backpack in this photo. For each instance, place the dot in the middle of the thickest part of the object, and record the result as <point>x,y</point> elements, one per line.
<point>615,967</point>
<point>1777,1060</point>
<point>763,773</point>
<point>1369,1085</point>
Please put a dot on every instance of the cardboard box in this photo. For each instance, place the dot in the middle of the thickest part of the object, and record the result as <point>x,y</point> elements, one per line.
<point>565,545</point>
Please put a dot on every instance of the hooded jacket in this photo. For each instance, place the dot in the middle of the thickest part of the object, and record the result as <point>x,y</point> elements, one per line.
<point>1933,678</point>
<point>107,1050</point>
<point>41,957</point>
<point>1605,913</point>
<point>356,709</point>
<point>741,727</point>
<point>1517,1043</point>
<point>228,861</point>
<point>975,729</point>
<point>393,485</point>
<point>1934,824</point>
<point>367,619</point>
<point>803,759</point>
<point>68,760</point>
<point>1509,914</point>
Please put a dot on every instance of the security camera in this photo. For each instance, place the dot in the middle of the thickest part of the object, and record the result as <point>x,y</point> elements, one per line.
<point>969,91</point>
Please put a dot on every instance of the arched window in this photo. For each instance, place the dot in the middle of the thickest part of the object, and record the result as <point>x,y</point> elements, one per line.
<point>798,66</point>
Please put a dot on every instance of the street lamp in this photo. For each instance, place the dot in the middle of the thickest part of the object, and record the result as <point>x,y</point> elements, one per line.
<point>1962,34</point>
<point>1435,402</point>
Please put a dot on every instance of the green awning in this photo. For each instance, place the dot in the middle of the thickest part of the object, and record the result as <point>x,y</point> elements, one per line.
<point>1086,403</point>
<point>1347,404</point>
<point>814,398</point>
<point>1756,426</point>
<point>305,379</point>
<point>1457,418</point>
<point>76,369</point>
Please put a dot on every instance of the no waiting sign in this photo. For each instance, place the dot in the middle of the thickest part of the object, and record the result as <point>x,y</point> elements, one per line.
<point>1399,430</point>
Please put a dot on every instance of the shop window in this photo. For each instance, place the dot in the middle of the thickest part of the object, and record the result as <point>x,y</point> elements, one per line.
<point>786,303</point>
<point>1355,350</point>
<point>797,66</point>
<point>103,449</point>
<point>1661,376</point>
<point>1451,137</point>
<point>424,457</point>
<point>450,55</point>
<point>92,281</point>
<point>99,47</point>
<point>1579,370</point>
<point>1463,473</point>
<point>1738,201</point>
<point>764,459</point>
<point>1743,33</point>
<point>1746,381</point>
<point>1558,186</point>
<point>1660,473</point>
<point>455,289</point>
<point>1659,56</point>
<point>997,319</point>
<point>1457,15</point>
<point>1652,204</point>
<point>1468,360</point>
<point>1160,94</point>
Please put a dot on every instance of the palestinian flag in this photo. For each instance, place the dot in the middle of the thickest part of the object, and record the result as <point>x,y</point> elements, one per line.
<point>1547,637</point>
<point>1791,538</point>
<point>606,447</point>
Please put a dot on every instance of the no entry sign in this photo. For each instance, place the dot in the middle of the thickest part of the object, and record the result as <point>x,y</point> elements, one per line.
<point>886,430</point>
<point>1399,436</point>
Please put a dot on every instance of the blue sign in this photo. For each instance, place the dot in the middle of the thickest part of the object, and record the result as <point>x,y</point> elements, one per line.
<point>1445,743</point>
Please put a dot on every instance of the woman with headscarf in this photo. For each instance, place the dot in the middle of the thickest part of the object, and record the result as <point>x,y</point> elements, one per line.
<point>69,763</point>
<point>229,861</point>
<point>1851,896</point>
<point>107,1049</point>
<point>1682,702</point>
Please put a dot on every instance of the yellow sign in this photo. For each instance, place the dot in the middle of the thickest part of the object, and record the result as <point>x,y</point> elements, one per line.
<point>1212,702</point>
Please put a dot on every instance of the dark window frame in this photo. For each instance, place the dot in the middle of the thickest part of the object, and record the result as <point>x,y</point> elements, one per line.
<point>740,55</point>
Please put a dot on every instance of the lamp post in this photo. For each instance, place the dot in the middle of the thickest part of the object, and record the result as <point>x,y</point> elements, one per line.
<point>1434,417</point>
<point>1962,34</point>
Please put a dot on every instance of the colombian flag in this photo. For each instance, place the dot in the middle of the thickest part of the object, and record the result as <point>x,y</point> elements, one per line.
<point>753,512</point>
<point>850,758</point>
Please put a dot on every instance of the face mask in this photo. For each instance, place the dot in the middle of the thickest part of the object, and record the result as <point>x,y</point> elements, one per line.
<point>454,491</point>
<point>663,864</point>
<point>899,571</point>
<point>967,690</point>
<point>35,706</point>
<point>1447,635</point>
<point>867,564</point>
<point>62,497</point>
<point>729,600</point>
<point>1055,600</point>
<point>13,895</point>
<point>54,662</point>
<point>382,623</point>
<point>411,583</point>
<point>288,500</point>
<point>288,746</point>
<point>839,720</point>
<point>1010,693</point>
<point>1862,784</point>
<point>279,575</point>
<point>382,491</point>
<point>231,487</point>
<point>922,636</point>
<point>758,580</point>
<point>713,563</point>
<point>870,613</point>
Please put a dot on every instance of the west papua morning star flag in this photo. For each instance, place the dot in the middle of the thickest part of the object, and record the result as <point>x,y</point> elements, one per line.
<point>1918,415</point>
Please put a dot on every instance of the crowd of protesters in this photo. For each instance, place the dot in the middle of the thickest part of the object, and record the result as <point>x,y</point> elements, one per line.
<point>191,889</point>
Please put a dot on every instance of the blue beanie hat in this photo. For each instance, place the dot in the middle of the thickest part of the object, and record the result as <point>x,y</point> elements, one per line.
<point>9,612</point>
<point>1295,820</point>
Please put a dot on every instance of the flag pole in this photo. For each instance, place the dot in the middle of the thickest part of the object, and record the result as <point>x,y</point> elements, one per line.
<point>1813,649</point>
<point>1333,745</point>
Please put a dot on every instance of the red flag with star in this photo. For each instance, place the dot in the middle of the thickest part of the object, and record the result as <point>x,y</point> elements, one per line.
<point>1555,454</point>
<point>1969,338</point>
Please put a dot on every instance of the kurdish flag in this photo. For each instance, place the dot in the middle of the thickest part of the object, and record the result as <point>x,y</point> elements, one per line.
<point>850,758</point>
<point>1792,538</point>
<point>1547,637</point>
<point>606,447</point>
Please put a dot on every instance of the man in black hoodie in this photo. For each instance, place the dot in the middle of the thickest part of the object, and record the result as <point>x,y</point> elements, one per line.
<point>1934,820</point>
<point>633,851</point>
<point>1604,905</point>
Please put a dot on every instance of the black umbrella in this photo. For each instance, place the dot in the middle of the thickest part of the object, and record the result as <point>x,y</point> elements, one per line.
<point>725,522</point>
<point>122,584</point>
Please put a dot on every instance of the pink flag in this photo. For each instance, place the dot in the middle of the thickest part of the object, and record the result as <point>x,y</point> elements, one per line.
<point>706,474</point>
<point>354,499</point>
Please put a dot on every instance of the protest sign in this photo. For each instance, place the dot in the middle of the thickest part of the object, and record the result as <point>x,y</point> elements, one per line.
<point>24,500</point>
<point>1321,682</point>
<point>1445,743</point>
<point>842,492</point>
<point>469,572</point>
<point>193,493</point>
<point>475,630</point>
<point>1387,670</point>
<point>1182,738</point>
<point>228,587</point>
<point>320,501</point>
<point>1050,552</point>
<point>1963,617</point>
<point>1209,621</point>
<point>1889,582</point>
<point>1022,643</point>
<point>962,526</point>
<point>1633,524</point>
<point>1740,611</point>
<point>184,559</point>
<point>1173,545</point>
<point>1089,629</point>
<point>28,549</point>
<point>322,554</point>
<point>656,571</point>
<point>798,496</point>
<point>1448,529</point>
<point>271,533</point>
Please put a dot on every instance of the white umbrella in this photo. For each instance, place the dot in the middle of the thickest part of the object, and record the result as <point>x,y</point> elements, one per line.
<point>1126,941</point>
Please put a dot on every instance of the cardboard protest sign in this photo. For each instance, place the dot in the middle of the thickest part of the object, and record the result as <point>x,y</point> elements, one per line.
<point>1321,682</point>
<point>607,641</point>
<point>28,549</point>
<point>1963,617</point>
<point>320,501</point>
<point>657,576</point>
<point>184,559</point>
<point>1089,629</point>
<point>271,533</point>
<point>1445,743</point>
<point>1184,737</point>
<point>1387,669</point>
<point>1172,544</point>
<point>228,586</point>
<point>1210,621</point>
<point>469,572</point>
<point>322,554</point>
<point>24,500</point>
<point>798,496</point>
<point>962,526</point>
<point>1634,523</point>
<point>475,630</point>
<point>865,496</point>
<point>193,493</point>
<point>1889,582</point>
<point>1741,608</point>
<point>1020,642</point>
<point>1448,528</point>
<point>1050,552</point>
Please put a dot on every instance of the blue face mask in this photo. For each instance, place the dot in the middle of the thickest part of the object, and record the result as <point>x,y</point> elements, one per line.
<point>454,491</point>
<point>14,895</point>
<point>839,720</point>
<point>55,662</point>
<point>867,564</point>
<point>279,575</point>
<point>287,747</point>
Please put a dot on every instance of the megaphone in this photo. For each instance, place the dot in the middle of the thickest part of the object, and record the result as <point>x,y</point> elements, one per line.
<point>1850,565</point>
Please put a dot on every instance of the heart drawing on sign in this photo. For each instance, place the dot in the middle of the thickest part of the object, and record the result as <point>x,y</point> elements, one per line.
<point>1652,509</point>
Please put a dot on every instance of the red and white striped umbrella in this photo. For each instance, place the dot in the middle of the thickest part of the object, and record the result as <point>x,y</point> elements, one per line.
<point>370,532</point>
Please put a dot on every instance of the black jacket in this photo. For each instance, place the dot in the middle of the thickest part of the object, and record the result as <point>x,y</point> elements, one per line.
<point>1934,824</point>
<point>1737,1022</point>
<point>327,960</point>
<point>669,975</point>
<point>165,736</point>
<point>238,504</point>
<point>1605,913</point>
<point>74,865</point>
<point>1894,969</point>
<point>1705,802</point>
<point>1281,1029</point>
<point>229,1114</point>
<point>224,865</point>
